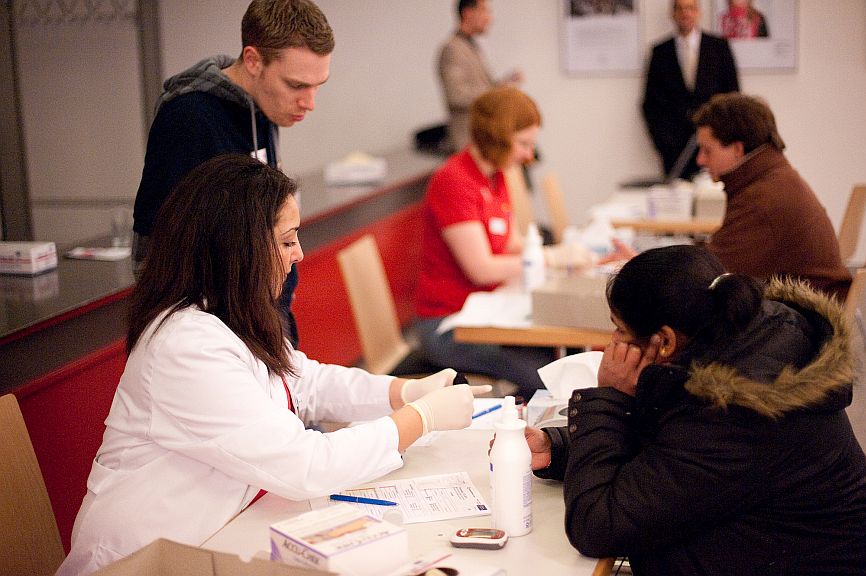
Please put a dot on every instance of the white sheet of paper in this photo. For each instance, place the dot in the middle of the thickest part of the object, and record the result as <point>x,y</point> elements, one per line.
<point>503,308</point>
<point>426,498</point>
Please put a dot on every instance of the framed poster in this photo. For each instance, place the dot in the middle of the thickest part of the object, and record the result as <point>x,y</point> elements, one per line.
<point>762,33</point>
<point>600,36</point>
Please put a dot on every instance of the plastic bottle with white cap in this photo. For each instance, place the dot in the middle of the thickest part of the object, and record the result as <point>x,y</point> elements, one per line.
<point>511,474</point>
<point>534,271</point>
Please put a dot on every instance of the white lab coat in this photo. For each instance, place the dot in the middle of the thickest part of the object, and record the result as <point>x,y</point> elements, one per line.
<point>198,426</point>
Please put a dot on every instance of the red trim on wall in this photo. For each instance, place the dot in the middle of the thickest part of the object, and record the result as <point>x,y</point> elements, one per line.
<point>65,413</point>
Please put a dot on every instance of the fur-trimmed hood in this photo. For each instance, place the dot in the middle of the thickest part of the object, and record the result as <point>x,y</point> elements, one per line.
<point>824,383</point>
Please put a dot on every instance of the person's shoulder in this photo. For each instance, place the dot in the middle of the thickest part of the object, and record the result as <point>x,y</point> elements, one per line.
<point>713,39</point>
<point>455,175</point>
<point>195,102</point>
<point>454,43</point>
<point>665,44</point>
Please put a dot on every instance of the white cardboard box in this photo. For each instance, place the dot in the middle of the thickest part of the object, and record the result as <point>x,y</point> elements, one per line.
<point>27,257</point>
<point>342,539</point>
<point>577,301</point>
<point>166,558</point>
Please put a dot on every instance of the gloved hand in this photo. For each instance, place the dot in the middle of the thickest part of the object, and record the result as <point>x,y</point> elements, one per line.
<point>571,257</point>
<point>448,408</point>
<point>414,389</point>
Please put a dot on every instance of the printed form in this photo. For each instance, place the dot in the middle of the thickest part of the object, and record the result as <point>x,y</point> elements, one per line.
<point>425,499</point>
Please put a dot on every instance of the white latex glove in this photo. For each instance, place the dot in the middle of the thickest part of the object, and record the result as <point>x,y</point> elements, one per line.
<point>568,257</point>
<point>448,408</point>
<point>414,389</point>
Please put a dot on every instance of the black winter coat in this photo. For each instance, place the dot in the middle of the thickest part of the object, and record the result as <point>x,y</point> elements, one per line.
<point>742,463</point>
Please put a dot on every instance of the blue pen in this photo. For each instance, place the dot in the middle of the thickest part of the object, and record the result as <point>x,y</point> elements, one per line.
<point>362,500</point>
<point>486,411</point>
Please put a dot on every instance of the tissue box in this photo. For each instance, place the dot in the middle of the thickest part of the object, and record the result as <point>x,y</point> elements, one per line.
<point>27,257</point>
<point>577,301</point>
<point>543,407</point>
<point>166,558</point>
<point>340,538</point>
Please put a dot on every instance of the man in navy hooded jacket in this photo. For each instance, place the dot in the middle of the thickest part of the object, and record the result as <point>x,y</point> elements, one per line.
<point>223,105</point>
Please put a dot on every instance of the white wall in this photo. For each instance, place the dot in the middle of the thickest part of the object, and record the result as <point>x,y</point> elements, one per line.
<point>383,86</point>
<point>82,122</point>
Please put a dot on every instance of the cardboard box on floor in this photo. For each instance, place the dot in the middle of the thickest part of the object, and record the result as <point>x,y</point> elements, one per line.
<point>576,301</point>
<point>166,558</point>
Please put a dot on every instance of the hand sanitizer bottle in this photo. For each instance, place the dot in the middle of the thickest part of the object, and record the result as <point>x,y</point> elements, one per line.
<point>511,474</point>
<point>534,273</point>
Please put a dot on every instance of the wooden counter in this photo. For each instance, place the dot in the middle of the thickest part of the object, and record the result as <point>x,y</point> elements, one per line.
<point>62,334</point>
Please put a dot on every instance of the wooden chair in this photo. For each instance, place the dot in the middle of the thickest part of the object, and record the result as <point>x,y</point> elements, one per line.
<point>385,349</point>
<point>376,319</point>
<point>852,221</point>
<point>31,540</point>
<point>521,201</point>
<point>555,206</point>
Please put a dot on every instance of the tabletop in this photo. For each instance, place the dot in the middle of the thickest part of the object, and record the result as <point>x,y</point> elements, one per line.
<point>545,550</point>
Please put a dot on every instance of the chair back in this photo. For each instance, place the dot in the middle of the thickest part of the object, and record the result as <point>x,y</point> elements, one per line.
<point>521,202</point>
<point>852,221</point>
<point>555,206</point>
<point>376,319</point>
<point>31,540</point>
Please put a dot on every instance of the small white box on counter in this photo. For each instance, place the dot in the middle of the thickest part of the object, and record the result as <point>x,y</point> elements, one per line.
<point>27,257</point>
<point>340,538</point>
<point>576,301</point>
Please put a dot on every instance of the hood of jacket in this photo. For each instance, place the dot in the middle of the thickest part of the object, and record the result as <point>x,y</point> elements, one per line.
<point>823,384</point>
<point>206,76</point>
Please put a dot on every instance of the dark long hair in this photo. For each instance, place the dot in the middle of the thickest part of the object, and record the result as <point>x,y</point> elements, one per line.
<point>213,247</point>
<point>686,288</point>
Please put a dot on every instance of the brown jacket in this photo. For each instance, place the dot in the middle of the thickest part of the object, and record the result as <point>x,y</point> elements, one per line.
<point>465,77</point>
<point>774,225</point>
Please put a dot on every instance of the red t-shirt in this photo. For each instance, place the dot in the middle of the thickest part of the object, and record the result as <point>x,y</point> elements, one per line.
<point>458,192</point>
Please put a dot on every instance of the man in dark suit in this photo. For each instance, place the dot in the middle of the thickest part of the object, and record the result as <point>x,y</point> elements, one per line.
<point>684,72</point>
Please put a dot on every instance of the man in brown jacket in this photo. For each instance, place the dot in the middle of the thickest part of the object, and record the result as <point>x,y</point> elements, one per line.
<point>463,70</point>
<point>773,224</point>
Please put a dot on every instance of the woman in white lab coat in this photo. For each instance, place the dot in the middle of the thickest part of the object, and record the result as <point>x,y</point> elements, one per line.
<point>212,404</point>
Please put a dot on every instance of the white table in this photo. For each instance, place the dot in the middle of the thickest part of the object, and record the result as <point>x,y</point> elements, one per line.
<point>544,551</point>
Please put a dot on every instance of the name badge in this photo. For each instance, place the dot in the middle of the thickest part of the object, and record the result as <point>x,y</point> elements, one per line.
<point>261,155</point>
<point>497,226</point>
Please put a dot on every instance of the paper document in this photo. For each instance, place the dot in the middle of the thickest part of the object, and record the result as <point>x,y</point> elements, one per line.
<point>425,499</point>
<point>116,253</point>
<point>501,309</point>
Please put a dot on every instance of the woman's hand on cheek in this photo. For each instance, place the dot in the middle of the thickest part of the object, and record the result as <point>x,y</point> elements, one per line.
<point>622,364</point>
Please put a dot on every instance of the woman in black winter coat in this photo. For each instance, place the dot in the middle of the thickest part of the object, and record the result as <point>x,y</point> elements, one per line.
<point>717,440</point>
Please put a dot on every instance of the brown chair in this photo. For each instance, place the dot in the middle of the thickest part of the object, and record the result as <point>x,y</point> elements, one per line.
<point>31,540</point>
<point>555,206</point>
<point>852,222</point>
<point>521,201</point>
<point>384,348</point>
<point>376,320</point>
